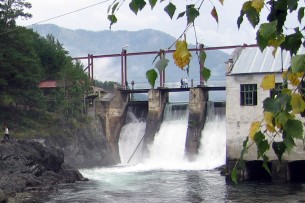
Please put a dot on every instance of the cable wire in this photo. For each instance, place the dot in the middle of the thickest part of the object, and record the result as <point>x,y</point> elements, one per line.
<point>59,16</point>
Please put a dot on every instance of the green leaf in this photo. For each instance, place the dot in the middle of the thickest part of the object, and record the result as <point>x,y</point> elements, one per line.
<point>240,18</point>
<point>279,149</point>
<point>245,142</point>
<point>268,29</point>
<point>262,42</point>
<point>301,14</point>
<point>151,75</point>
<point>234,174</point>
<point>265,164</point>
<point>298,63</point>
<point>262,147</point>
<point>137,5</point>
<point>251,13</point>
<point>202,57</point>
<point>161,64</point>
<point>292,5</point>
<point>181,15</point>
<point>281,118</point>
<point>206,73</point>
<point>152,3</point>
<point>259,137</point>
<point>170,9</point>
<point>288,141</point>
<point>294,128</point>
<point>271,105</point>
<point>191,13</point>
<point>293,42</point>
<point>261,143</point>
<point>112,19</point>
<point>114,7</point>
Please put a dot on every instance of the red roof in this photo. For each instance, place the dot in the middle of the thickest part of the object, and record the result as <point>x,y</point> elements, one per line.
<point>47,84</point>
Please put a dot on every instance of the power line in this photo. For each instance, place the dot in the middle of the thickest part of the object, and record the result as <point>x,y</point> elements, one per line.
<point>59,16</point>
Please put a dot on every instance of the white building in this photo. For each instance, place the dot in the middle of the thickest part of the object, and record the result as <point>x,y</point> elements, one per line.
<point>244,97</point>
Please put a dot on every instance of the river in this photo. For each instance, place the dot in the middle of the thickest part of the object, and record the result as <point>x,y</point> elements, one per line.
<point>165,175</point>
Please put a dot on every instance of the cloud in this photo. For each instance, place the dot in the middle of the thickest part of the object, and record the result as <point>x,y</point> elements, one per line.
<point>95,19</point>
<point>105,69</point>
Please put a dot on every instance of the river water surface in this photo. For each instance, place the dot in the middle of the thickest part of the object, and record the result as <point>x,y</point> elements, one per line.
<point>165,176</point>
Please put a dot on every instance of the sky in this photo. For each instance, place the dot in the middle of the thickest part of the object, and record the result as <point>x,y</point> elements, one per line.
<point>208,31</point>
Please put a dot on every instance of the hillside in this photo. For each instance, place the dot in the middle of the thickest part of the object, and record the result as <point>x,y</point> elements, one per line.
<point>84,42</point>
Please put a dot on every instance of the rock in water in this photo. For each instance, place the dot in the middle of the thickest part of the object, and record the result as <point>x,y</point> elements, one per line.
<point>27,166</point>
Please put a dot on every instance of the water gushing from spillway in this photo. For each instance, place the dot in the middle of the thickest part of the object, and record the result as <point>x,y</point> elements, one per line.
<point>130,136</point>
<point>167,150</point>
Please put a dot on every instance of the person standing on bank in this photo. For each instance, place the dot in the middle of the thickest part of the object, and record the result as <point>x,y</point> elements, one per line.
<point>6,134</point>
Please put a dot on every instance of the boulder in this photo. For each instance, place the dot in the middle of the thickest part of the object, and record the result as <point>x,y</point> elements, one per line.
<point>27,166</point>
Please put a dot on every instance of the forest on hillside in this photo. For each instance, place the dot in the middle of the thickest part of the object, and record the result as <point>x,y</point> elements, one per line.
<point>26,59</point>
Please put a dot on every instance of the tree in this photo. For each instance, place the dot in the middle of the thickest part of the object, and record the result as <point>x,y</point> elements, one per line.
<point>52,56</point>
<point>282,114</point>
<point>10,10</point>
<point>73,85</point>
<point>20,70</point>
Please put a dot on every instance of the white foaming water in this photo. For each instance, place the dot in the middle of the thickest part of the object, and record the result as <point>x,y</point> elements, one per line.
<point>130,136</point>
<point>167,150</point>
<point>212,151</point>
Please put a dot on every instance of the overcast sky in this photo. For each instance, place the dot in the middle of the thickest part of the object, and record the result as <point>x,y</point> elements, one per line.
<point>95,18</point>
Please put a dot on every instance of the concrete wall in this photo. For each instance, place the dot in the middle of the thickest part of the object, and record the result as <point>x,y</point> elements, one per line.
<point>239,118</point>
<point>156,104</point>
<point>197,115</point>
<point>113,114</point>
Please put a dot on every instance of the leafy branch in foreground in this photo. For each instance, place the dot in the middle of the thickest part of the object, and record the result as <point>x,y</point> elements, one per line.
<point>182,55</point>
<point>282,121</point>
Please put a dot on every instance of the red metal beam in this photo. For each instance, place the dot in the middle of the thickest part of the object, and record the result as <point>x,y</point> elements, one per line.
<point>124,55</point>
<point>165,51</point>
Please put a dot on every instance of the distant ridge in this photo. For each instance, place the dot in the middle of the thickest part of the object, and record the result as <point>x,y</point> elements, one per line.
<point>83,42</point>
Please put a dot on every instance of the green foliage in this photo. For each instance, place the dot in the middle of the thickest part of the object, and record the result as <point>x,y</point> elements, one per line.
<point>298,63</point>
<point>282,113</point>
<point>151,75</point>
<point>137,5</point>
<point>206,73</point>
<point>191,12</point>
<point>170,9</point>
<point>161,64</point>
<point>11,10</point>
<point>107,85</point>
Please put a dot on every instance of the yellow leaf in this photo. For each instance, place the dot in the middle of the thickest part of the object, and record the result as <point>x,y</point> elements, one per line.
<point>255,127</point>
<point>297,103</point>
<point>276,42</point>
<point>284,74</point>
<point>293,78</point>
<point>270,128</point>
<point>268,117</point>
<point>214,14</point>
<point>258,5</point>
<point>268,82</point>
<point>300,74</point>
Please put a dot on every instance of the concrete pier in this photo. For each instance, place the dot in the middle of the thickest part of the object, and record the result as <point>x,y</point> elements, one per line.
<point>197,115</point>
<point>157,100</point>
<point>113,113</point>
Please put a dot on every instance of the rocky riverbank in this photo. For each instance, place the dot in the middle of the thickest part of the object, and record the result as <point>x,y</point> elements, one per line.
<point>28,166</point>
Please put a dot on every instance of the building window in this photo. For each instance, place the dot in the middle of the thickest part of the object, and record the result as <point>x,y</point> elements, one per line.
<point>277,89</point>
<point>248,94</point>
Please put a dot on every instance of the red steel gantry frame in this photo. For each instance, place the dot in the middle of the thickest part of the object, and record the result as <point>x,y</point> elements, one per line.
<point>161,53</point>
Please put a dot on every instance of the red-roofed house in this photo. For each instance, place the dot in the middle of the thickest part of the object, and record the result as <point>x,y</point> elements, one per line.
<point>47,84</point>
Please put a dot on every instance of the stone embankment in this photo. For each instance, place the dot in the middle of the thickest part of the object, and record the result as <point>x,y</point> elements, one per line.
<point>28,166</point>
